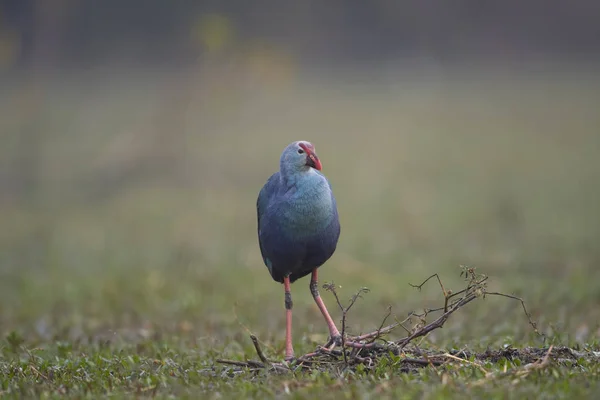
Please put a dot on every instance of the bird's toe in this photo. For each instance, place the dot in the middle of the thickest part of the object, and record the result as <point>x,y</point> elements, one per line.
<point>334,341</point>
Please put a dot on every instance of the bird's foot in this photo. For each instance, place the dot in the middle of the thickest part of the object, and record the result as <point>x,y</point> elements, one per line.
<point>334,341</point>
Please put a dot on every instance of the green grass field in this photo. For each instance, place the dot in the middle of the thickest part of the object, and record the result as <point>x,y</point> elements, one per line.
<point>134,264</point>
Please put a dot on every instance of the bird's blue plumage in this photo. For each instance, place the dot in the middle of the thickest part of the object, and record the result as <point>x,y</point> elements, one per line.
<point>298,224</point>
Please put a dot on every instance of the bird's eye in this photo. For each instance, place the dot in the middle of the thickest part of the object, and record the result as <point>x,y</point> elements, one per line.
<point>300,151</point>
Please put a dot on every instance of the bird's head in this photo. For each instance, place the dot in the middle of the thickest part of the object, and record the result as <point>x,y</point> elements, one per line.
<point>300,156</point>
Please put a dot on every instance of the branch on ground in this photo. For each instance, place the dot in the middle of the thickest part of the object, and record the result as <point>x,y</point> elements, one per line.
<point>370,348</point>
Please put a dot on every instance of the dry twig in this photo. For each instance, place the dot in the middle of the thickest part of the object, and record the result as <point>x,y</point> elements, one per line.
<point>366,350</point>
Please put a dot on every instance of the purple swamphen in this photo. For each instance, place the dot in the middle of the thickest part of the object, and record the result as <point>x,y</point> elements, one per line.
<point>298,227</point>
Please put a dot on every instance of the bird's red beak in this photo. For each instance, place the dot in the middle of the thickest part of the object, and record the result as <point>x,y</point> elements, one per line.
<point>311,158</point>
<point>313,161</point>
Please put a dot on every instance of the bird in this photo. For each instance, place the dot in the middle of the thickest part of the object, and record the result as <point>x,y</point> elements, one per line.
<point>298,227</point>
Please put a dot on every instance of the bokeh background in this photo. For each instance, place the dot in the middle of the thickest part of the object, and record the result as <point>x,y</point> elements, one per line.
<point>136,134</point>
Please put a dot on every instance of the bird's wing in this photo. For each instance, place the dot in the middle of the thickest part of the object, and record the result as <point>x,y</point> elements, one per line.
<point>264,198</point>
<point>265,194</point>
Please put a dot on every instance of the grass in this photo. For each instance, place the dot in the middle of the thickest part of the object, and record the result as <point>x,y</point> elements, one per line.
<point>123,280</point>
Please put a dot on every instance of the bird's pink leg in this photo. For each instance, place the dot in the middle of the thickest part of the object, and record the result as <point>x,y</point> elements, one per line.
<point>289,350</point>
<point>333,330</point>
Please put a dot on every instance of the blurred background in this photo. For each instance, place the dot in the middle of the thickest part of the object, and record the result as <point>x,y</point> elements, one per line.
<point>136,134</point>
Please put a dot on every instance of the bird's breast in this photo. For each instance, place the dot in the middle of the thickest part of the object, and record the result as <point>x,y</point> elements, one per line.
<point>308,213</point>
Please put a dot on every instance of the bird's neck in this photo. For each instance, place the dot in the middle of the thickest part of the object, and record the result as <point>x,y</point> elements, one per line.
<point>303,177</point>
<point>290,172</point>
